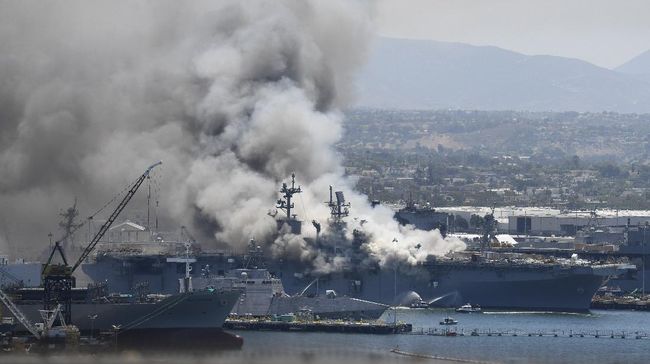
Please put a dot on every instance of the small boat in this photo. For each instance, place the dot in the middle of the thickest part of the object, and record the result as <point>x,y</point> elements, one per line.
<point>448,321</point>
<point>420,304</point>
<point>468,308</point>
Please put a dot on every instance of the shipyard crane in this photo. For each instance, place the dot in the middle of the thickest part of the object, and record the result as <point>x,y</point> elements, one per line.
<point>48,316</point>
<point>19,315</point>
<point>57,278</point>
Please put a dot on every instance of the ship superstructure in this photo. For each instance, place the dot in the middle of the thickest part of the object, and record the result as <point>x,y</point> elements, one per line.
<point>263,294</point>
<point>423,217</point>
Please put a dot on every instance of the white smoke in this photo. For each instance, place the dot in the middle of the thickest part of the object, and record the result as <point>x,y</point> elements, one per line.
<point>233,96</point>
<point>386,242</point>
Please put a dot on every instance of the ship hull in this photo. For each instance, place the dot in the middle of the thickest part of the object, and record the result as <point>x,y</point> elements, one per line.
<point>192,310</point>
<point>517,288</point>
<point>333,308</point>
<point>447,284</point>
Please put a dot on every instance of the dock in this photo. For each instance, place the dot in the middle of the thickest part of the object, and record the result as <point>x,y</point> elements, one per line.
<point>559,333</point>
<point>351,327</point>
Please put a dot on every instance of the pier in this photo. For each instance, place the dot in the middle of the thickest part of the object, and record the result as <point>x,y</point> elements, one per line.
<point>351,327</point>
<point>564,333</point>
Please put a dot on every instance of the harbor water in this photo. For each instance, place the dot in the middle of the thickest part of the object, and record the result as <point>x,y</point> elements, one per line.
<point>319,347</point>
<point>501,349</point>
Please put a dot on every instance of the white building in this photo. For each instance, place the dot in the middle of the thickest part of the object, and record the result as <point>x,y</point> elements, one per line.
<point>128,232</point>
<point>547,221</point>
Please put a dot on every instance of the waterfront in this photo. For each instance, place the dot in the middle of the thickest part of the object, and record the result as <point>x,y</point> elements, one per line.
<point>314,347</point>
<point>506,349</point>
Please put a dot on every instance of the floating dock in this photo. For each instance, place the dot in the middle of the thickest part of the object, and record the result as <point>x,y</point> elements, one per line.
<point>352,327</point>
<point>612,334</point>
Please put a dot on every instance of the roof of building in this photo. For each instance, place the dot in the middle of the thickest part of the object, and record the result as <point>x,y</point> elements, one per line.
<point>128,226</point>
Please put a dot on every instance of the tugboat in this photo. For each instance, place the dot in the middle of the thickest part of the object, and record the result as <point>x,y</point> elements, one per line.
<point>448,321</point>
<point>420,304</point>
<point>468,308</point>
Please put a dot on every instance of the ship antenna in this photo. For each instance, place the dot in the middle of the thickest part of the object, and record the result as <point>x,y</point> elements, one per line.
<point>339,208</point>
<point>488,230</point>
<point>149,203</point>
<point>287,194</point>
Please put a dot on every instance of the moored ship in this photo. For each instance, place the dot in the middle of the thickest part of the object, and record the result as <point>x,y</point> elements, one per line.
<point>264,295</point>
<point>488,279</point>
<point>449,283</point>
<point>189,310</point>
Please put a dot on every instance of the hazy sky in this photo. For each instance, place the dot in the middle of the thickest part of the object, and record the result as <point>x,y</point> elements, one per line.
<point>604,32</point>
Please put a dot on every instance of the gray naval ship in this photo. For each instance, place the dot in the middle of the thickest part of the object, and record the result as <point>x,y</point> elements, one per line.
<point>93,308</point>
<point>516,283</point>
<point>485,278</point>
<point>423,217</point>
<point>199,309</point>
<point>158,266</point>
<point>264,295</point>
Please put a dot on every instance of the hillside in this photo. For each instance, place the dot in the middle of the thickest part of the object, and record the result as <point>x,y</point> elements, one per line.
<point>418,74</point>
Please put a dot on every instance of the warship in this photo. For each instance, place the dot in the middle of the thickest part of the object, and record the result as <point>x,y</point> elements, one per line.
<point>93,309</point>
<point>424,217</point>
<point>264,295</point>
<point>501,283</point>
<point>200,309</point>
<point>621,243</point>
<point>488,279</point>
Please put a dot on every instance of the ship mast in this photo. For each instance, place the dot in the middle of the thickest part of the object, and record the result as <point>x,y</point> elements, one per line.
<point>339,208</point>
<point>285,204</point>
<point>287,194</point>
<point>489,227</point>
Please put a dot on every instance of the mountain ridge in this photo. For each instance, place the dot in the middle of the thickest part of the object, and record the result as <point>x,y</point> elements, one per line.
<point>423,74</point>
<point>638,66</point>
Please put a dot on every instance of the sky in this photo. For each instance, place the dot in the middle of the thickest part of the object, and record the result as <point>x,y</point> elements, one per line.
<point>604,32</point>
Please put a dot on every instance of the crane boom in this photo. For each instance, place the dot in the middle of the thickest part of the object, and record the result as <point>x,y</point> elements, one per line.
<point>19,314</point>
<point>113,217</point>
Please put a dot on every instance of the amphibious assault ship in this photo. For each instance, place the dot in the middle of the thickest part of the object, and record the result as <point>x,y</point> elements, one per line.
<point>504,281</point>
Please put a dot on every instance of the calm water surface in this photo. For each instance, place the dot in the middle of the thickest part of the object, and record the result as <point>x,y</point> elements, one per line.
<point>506,349</point>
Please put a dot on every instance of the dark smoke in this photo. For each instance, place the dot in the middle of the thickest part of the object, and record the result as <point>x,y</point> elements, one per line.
<point>233,96</point>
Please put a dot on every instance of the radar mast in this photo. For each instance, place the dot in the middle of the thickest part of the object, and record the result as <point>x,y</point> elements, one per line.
<point>285,204</point>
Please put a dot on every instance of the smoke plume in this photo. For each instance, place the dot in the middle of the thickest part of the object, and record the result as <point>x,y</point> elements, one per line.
<point>232,96</point>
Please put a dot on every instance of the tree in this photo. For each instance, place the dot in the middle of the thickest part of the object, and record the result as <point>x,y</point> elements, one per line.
<point>609,170</point>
